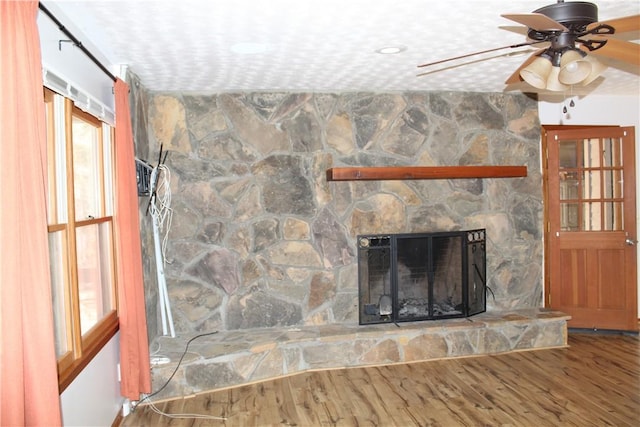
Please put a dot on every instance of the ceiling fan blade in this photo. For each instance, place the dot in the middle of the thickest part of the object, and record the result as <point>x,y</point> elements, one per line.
<point>513,46</point>
<point>622,25</point>
<point>515,77</point>
<point>518,29</point>
<point>621,50</point>
<point>536,21</point>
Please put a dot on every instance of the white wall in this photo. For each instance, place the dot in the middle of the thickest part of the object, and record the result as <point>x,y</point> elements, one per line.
<point>93,398</point>
<point>591,110</point>
<point>598,110</point>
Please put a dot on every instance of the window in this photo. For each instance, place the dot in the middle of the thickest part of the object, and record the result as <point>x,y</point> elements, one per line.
<point>80,225</point>
<point>591,184</point>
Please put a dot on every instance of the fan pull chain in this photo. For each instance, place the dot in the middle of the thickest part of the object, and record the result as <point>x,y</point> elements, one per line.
<point>572,104</point>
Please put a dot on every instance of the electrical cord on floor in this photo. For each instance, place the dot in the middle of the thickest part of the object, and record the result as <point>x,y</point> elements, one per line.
<point>149,396</point>
<point>155,409</point>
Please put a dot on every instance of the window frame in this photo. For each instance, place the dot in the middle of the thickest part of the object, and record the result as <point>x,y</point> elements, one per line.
<point>82,348</point>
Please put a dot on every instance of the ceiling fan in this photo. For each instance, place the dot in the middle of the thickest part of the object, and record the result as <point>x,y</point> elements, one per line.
<point>573,40</point>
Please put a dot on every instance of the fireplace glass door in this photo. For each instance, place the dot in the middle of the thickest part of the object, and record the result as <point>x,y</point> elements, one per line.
<point>421,276</point>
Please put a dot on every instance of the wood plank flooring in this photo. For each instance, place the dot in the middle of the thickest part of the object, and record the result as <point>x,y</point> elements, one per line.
<point>594,382</point>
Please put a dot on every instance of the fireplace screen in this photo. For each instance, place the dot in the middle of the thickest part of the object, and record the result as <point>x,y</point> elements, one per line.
<point>421,276</point>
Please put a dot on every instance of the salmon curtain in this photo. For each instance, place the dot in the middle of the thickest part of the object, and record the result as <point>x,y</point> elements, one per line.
<point>135,369</point>
<point>28,375</point>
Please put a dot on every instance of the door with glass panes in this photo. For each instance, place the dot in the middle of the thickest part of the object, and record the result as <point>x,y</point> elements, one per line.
<point>591,229</point>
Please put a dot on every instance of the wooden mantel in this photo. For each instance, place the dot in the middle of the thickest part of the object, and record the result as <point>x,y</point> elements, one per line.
<point>423,172</point>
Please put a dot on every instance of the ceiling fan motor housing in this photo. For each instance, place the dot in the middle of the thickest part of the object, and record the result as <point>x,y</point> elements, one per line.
<point>573,15</point>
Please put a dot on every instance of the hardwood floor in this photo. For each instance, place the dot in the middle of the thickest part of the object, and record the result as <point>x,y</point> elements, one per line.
<point>594,382</point>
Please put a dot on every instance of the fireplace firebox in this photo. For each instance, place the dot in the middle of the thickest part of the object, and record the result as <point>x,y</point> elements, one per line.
<point>421,276</point>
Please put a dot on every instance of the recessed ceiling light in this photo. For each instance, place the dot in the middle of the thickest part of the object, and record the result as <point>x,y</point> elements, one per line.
<point>389,50</point>
<point>249,48</point>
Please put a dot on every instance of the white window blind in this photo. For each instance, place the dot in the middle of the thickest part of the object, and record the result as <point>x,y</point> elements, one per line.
<point>80,98</point>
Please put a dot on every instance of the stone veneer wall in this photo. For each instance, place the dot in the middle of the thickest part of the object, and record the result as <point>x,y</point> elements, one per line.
<point>261,239</point>
<point>139,102</point>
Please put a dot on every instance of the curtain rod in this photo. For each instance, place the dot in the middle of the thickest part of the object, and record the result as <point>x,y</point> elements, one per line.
<point>76,42</point>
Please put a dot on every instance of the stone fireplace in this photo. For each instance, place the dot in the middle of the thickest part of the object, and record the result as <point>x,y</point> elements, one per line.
<point>261,239</point>
<point>421,276</point>
<point>264,249</point>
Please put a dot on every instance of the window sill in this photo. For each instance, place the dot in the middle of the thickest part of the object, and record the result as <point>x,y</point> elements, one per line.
<point>92,343</point>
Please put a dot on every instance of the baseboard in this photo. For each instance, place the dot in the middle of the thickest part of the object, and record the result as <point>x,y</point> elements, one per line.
<point>118,420</point>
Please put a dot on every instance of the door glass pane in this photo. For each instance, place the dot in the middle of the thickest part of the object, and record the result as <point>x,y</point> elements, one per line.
<point>95,281</point>
<point>569,219</point>
<point>86,170</point>
<point>567,150</point>
<point>569,185</point>
<point>613,216</point>
<point>57,268</point>
<point>612,184</point>
<point>592,216</point>
<point>591,152</point>
<point>612,152</point>
<point>591,187</point>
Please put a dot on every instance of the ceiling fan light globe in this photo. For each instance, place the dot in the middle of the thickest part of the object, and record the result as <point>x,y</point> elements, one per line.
<point>597,68</point>
<point>573,68</point>
<point>536,73</point>
<point>553,82</point>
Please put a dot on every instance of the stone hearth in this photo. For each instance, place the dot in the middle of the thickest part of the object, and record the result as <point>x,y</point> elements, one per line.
<point>233,358</point>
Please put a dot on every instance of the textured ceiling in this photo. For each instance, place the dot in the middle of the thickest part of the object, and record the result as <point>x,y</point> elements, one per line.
<point>322,46</point>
